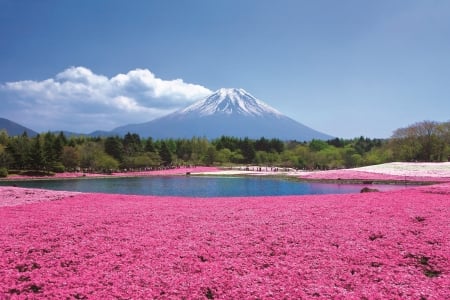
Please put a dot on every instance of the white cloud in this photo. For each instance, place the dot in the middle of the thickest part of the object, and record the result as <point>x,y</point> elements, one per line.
<point>79,100</point>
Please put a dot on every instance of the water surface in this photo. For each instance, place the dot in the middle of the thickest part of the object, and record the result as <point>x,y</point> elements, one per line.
<point>198,186</point>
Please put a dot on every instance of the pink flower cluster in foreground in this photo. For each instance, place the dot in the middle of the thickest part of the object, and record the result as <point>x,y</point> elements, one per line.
<point>350,174</point>
<point>391,245</point>
<point>11,196</point>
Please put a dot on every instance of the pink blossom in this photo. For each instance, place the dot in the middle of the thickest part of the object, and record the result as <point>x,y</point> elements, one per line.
<point>350,174</point>
<point>396,171</point>
<point>389,245</point>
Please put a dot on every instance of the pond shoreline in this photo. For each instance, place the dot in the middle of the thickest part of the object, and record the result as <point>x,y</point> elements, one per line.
<point>391,173</point>
<point>85,175</point>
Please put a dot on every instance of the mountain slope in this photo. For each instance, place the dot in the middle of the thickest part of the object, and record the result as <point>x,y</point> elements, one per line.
<point>13,128</point>
<point>230,112</point>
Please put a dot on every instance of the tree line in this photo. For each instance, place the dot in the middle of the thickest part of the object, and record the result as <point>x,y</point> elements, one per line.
<point>54,152</point>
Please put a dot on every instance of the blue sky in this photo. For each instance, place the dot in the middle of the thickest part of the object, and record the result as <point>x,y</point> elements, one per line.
<point>346,68</point>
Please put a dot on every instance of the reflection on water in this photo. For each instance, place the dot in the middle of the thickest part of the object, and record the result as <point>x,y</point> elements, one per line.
<point>192,186</point>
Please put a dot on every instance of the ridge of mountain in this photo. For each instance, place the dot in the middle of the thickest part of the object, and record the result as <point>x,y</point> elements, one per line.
<point>13,128</point>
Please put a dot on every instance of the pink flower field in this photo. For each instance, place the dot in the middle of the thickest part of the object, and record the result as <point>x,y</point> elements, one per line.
<point>348,174</point>
<point>390,245</point>
<point>411,172</point>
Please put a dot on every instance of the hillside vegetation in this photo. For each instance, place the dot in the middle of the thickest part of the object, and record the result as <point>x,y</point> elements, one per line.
<point>49,152</point>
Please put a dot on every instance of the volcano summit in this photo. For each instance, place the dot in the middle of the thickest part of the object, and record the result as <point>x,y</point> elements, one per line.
<point>229,112</point>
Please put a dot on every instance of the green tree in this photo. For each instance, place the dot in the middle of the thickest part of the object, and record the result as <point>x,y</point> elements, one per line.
<point>105,163</point>
<point>317,145</point>
<point>444,132</point>
<point>70,157</point>
<point>165,154</point>
<point>210,156</point>
<point>3,172</point>
<point>377,156</point>
<point>351,157</point>
<point>149,145</point>
<point>261,157</point>
<point>19,150</point>
<point>3,137</point>
<point>50,155</point>
<point>433,144</point>
<point>262,144</point>
<point>331,157</point>
<point>423,141</point>
<point>276,145</point>
<point>172,145</point>
<point>59,142</point>
<point>248,150</point>
<point>404,145</point>
<point>223,156</point>
<point>154,159</point>
<point>132,144</point>
<point>149,159</point>
<point>199,149</point>
<point>184,149</point>
<point>237,157</point>
<point>336,142</point>
<point>37,159</point>
<point>287,159</point>
<point>304,157</point>
<point>89,151</point>
<point>114,147</point>
<point>5,158</point>
<point>223,142</point>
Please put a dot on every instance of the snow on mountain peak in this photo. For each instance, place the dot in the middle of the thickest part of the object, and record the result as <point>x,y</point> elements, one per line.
<point>230,101</point>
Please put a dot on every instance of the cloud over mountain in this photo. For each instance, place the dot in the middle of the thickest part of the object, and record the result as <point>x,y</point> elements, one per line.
<point>79,100</point>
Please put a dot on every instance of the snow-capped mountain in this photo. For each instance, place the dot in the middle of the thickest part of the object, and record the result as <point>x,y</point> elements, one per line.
<point>229,112</point>
<point>230,101</point>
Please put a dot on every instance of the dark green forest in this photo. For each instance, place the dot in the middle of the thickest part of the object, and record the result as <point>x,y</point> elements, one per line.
<point>50,152</point>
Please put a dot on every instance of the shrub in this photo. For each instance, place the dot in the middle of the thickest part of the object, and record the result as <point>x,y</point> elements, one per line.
<point>37,173</point>
<point>3,172</point>
<point>58,168</point>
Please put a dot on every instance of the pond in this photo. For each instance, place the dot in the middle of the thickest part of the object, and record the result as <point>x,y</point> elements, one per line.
<point>197,186</point>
